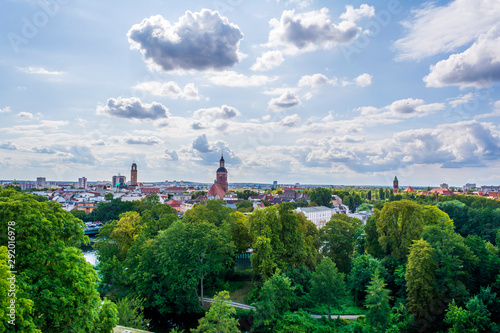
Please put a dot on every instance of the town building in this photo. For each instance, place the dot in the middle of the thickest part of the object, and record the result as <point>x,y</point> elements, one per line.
<point>82,182</point>
<point>133,175</point>
<point>41,182</point>
<point>118,180</point>
<point>395,185</point>
<point>219,189</point>
<point>319,215</point>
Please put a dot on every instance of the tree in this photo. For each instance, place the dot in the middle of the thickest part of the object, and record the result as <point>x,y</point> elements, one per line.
<point>126,230</point>
<point>20,312</point>
<point>328,284</point>
<point>59,281</point>
<point>212,211</point>
<point>377,302</point>
<point>322,196</point>
<point>108,196</point>
<point>238,226</point>
<point>130,313</point>
<point>381,194</point>
<point>220,317</point>
<point>178,265</point>
<point>274,300</point>
<point>338,239</point>
<point>419,279</point>
<point>363,269</point>
<point>398,224</point>
<point>475,318</point>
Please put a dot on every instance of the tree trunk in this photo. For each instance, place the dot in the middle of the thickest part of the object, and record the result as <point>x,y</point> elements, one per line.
<point>329,316</point>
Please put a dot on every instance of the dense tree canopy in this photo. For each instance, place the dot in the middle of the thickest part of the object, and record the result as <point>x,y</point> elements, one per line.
<point>61,284</point>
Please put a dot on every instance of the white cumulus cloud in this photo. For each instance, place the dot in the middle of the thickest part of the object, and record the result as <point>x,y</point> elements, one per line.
<point>198,41</point>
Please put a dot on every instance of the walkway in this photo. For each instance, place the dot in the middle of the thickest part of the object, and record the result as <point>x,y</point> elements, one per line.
<point>249,307</point>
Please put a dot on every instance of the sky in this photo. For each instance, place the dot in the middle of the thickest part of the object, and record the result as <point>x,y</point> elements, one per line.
<point>307,91</point>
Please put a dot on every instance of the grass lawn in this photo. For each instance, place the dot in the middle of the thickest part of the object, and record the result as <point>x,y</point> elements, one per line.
<point>238,290</point>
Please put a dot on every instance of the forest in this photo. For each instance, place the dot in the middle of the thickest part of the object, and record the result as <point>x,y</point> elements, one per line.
<point>417,265</point>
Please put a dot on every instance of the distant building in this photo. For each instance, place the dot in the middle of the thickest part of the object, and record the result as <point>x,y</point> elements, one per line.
<point>219,189</point>
<point>319,215</point>
<point>119,180</point>
<point>82,182</point>
<point>469,186</point>
<point>133,175</point>
<point>275,184</point>
<point>409,189</point>
<point>491,188</point>
<point>395,185</point>
<point>41,182</point>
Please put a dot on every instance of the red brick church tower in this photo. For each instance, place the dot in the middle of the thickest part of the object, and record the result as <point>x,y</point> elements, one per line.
<point>222,175</point>
<point>220,188</point>
<point>395,185</point>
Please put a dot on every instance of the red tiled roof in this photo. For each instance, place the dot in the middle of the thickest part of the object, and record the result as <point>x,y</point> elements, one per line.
<point>441,191</point>
<point>174,203</point>
<point>409,189</point>
<point>176,188</point>
<point>215,190</point>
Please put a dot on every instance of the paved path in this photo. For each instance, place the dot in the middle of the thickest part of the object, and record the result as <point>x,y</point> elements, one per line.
<point>249,307</point>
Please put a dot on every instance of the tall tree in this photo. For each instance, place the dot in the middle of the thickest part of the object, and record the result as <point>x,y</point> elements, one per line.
<point>322,196</point>
<point>274,300</point>
<point>363,269</point>
<point>179,264</point>
<point>220,318</point>
<point>377,302</point>
<point>419,278</point>
<point>398,224</point>
<point>338,239</point>
<point>328,284</point>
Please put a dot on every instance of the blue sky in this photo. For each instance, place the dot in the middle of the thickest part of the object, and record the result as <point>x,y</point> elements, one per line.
<point>302,91</point>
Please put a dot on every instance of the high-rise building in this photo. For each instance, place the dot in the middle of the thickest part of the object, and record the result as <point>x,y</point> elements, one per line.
<point>119,180</point>
<point>133,175</point>
<point>82,182</point>
<point>41,182</point>
<point>395,185</point>
<point>275,184</point>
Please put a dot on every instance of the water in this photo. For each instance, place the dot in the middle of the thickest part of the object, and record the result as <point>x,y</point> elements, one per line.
<point>89,252</point>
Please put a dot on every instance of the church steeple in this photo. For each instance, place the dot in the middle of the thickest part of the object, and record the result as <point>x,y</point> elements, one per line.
<point>221,163</point>
<point>221,175</point>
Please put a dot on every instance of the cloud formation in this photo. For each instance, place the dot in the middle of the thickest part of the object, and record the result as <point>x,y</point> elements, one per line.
<point>132,108</point>
<point>209,153</point>
<point>234,79</point>
<point>198,41</point>
<point>478,66</point>
<point>435,29</point>
<point>39,71</point>
<point>5,109</point>
<point>285,101</point>
<point>268,61</point>
<point>224,112</point>
<point>313,30</point>
<point>455,145</point>
<point>141,140</point>
<point>169,89</point>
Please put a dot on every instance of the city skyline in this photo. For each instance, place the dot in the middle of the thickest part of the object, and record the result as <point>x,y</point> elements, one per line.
<point>307,91</point>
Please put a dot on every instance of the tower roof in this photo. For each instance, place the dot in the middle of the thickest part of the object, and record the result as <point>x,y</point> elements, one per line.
<point>395,178</point>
